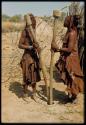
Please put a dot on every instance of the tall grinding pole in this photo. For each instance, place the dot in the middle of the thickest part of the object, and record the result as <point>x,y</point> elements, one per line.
<point>35,43</point>
<point>56,15</point>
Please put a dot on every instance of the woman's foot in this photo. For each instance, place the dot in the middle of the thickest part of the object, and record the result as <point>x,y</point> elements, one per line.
<point>25,92</point>
<point>74,99</point>
<point>69,98</point>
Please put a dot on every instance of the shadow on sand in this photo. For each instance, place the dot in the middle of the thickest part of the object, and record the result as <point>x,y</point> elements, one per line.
<point>59,96</point>
<point>17,88</point>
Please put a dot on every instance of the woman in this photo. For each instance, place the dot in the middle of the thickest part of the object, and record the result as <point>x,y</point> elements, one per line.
<point>69,65</point>
<point>30,60</point>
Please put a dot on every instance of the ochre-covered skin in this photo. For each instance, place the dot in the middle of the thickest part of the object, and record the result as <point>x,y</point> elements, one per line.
<point>69,64</point>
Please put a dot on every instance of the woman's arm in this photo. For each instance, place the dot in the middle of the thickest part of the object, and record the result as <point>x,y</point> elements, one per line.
<point>32,36</point>
<point>21,42</point>
<point>70,44</point>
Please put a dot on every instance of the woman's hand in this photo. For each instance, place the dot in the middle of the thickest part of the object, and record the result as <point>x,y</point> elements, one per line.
<point>39,50</point>
<point>30,47</point>
<point>54,47</point>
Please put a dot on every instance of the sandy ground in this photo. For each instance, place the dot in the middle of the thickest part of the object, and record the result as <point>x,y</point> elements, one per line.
<point>14,109</point>
<point>17,110</point>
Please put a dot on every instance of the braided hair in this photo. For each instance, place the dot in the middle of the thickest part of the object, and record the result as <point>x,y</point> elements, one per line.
<point>76,20</point>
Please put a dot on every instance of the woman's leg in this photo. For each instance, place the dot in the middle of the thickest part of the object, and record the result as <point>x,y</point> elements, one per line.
<point>73,91</point>
<point>72,88</point>
<point>25,86</point>
<point>34,89</point>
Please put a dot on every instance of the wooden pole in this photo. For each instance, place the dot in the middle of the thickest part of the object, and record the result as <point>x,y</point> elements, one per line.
<point>56,14</point>
<point>44,71</point>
